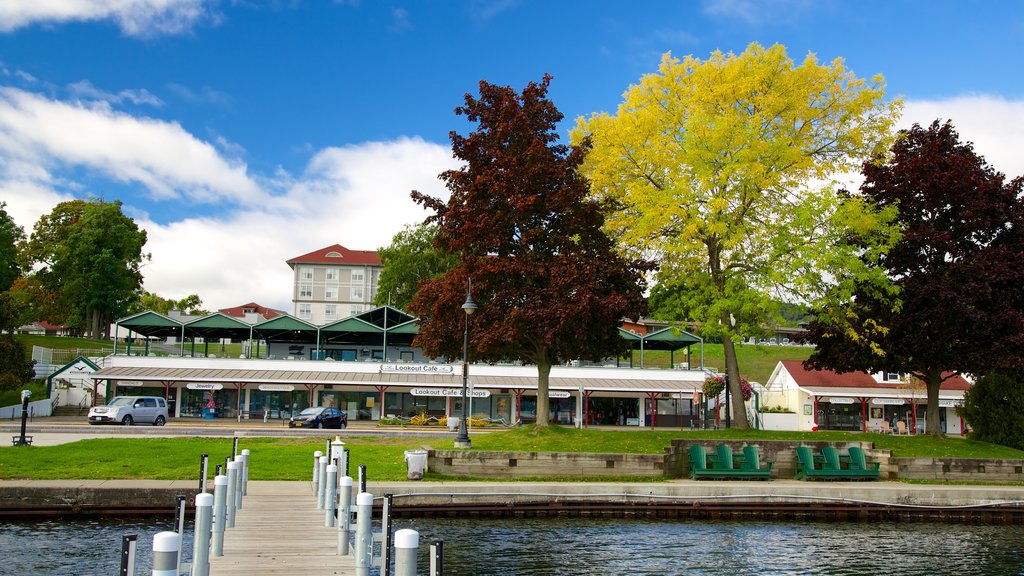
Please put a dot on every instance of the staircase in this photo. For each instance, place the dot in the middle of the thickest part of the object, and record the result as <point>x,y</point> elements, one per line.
<point>70,411</point>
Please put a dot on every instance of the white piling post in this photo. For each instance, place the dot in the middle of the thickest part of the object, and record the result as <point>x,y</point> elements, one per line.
<point>316,471</point>
<point>220,505</point>
<point>230,494</point>
<point>245,472</point>
<point>201,539</point>
<point>239,478</point>
<point>165,553</point>
<point>344,514</point>
<point>331,498</point>
<point>322,489</point>
<point>407,543</point>
<point>364,533</point>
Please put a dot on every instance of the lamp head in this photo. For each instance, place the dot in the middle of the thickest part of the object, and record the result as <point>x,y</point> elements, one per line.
<point>469,306</point>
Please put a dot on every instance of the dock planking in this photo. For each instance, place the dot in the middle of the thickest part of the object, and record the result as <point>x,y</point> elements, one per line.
<point>280,531</point>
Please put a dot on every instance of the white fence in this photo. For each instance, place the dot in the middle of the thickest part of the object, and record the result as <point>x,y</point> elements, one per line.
<point>42,407</point>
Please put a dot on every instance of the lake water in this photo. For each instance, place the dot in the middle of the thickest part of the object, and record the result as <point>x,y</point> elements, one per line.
<point>572,547</point>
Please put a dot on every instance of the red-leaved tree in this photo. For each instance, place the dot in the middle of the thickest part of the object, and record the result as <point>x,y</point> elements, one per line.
<point>959,268</point>
<point>549,285</point>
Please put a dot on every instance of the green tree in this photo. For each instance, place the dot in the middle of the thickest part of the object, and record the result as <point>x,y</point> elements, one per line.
<point>993,408</point>
<point>10,236</point>
<point>959,267</point>
<point>721,169</point>
<point>549,284</point>
<point>191,304</point>
<point>15,369</point>
<point>409,260</point>
<point>90,254</point>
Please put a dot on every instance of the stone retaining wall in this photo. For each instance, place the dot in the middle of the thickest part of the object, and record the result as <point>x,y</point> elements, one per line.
<point>542,464</point>
<point>959,469</point>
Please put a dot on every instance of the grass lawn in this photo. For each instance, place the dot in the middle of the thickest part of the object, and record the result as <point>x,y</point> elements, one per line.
<point>291,458</point>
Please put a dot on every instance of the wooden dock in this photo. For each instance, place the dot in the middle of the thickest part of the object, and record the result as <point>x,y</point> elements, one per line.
<point>280,531</point>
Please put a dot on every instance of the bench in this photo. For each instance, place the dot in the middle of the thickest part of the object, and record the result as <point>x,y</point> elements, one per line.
<point>829,465</point>
<point>16,441</point>
<point>726,465</point>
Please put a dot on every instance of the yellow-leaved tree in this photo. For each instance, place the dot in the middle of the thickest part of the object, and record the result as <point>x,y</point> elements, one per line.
<point>725,171</point>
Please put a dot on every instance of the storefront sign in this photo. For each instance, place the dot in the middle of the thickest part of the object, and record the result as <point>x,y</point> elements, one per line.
<point>276,388</point>
<point>449,392</point>
<point>949,403</point>
<point>839,400</point>
<point>888,401</point>
<point>203,386</point>
<point>417,368</point>
<point>558,394</point>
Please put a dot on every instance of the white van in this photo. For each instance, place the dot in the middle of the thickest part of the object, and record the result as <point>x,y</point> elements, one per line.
<point>128,410</point>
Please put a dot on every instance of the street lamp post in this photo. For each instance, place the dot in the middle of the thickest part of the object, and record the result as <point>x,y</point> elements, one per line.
<point>462,438</point>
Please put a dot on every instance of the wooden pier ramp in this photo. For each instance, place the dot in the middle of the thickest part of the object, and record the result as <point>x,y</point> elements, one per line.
<point>280,531</point>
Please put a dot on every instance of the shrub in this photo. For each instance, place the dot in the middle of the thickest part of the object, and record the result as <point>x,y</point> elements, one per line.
<point>420,419</point>
<point>713,386</point>
<point>776,410</point>
<point>993,408</point>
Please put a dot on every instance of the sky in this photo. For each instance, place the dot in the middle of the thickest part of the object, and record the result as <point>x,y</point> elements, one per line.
<point>242,133</point>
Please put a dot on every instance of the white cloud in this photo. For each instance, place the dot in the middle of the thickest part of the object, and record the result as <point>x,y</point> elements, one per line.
<point>134,17</point>
<point>756,12</point>
<point>162,156</point>
<point>84,90</point>
<point>994,124</point>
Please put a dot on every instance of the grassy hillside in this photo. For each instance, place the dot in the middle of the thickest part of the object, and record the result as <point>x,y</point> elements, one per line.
<point>756,362</point>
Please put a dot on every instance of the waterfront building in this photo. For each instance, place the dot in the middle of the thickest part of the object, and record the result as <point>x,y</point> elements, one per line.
<point>882,402</point>
<point>333,283</point>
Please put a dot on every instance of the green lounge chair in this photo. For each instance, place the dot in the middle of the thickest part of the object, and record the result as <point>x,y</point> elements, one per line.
<point>699,463</point>
<point>724,460</point>
<point>832,460</point>
<point>859,463</point>
<point>831,466</point>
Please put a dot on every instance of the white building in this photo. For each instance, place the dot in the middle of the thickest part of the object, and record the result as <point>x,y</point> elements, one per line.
<point>333,283</point>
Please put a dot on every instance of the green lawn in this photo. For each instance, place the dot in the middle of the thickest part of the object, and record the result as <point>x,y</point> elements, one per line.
<point>291,459</point>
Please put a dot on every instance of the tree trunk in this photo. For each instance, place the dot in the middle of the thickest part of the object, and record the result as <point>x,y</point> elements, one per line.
<point>543,403</point>
<point>732,370</point>
<point>933,381</point>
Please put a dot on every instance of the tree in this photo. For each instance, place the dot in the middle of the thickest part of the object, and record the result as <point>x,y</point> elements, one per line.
<point>712,168</point>
<point>190,304</point>
<point>90,254</point>
<point>548,282</point>
<point>959,267</point>
<point>993,407</point>
<point>15,368</point>
<point>409,260</point>
<point>10,236</point>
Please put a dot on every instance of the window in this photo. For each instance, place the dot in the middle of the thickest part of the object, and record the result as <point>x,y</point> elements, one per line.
<point>332,274</point>
<point>331,293</point>
<point>305,273</point>
<point>331,312</point>
<point>892,377</point>
<point>356,310</point>
<point>305,311</point>
<point>357,276</point>
<point>357,293</point>
<point>305,291</point>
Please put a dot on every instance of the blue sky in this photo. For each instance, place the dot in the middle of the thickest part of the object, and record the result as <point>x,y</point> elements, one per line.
<point>241,133</point>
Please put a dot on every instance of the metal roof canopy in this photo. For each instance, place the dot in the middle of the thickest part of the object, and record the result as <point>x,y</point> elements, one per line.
<point>151,324</point>
<point>217,326</point>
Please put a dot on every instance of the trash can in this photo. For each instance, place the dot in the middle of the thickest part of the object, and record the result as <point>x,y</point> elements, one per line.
<point>453,423</point>
<point>416,462</point>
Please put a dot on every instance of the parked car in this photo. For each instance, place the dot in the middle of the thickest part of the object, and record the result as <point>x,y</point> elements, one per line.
<point>319,417</point>
<point>128,410</point>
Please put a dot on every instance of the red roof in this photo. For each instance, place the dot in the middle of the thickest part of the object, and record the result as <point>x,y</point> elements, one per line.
<point>47,326</point>
<point>830,379</point>
<point>239,311</point>
<point>338,254</point>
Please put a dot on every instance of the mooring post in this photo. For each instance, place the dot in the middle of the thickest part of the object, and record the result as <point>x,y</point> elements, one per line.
<point>407,543</point>
<point>239,479</point>
<point>201,538</point>
<point>344,514</point>
<point>364,533</point>
<point>345,469</point>
<point>331,497</point>
<point>316,471</point>
<point>220,504</point>
<point>166,546</point>
<point>322,491</point>
<point>362,478</point>
<point>179,523</point>
<point>385,536</point>
<point>437,558</point>
<point>234,447</point>
<point>245,472</point>
<point>128,544</point>
<point>230,494</point>
<point>204,471</point>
